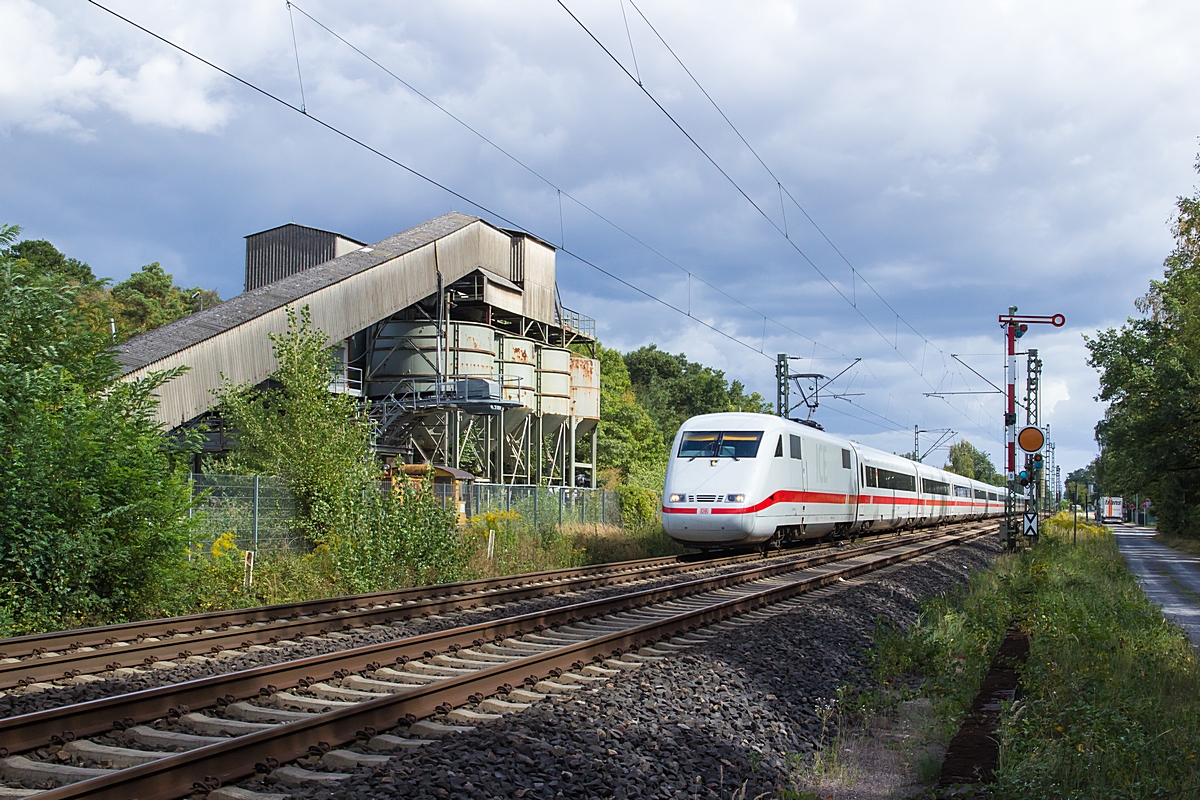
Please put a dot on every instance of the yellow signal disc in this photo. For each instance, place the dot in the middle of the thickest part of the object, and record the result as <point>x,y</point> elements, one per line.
<point>1031,439</point>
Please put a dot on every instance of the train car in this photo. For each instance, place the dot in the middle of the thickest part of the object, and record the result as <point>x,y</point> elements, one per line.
<point>748,479</point>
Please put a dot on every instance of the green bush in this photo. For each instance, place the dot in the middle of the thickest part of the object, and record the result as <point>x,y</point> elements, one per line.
<point>368,536</point>
<point>639,507</point>
<point>93,496</point>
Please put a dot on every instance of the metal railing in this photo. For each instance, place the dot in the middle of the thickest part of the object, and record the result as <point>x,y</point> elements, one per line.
<point>347,380</point>
<point>576,322</point>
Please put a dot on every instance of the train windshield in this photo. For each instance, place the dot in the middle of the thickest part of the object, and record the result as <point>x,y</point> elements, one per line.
<point>720,444</point>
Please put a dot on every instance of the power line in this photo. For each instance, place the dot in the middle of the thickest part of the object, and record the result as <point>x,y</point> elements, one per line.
<point>554,186</point>
<point>853,303</point>
<point>855,274</point>
<point>333,129</point>
<point>563,193</point>
<point>487,210</point>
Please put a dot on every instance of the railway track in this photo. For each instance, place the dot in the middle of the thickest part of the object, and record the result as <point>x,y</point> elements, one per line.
<point>37,659</point>
<point>314,708</point>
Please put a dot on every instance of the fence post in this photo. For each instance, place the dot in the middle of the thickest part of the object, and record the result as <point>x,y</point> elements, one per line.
<point>256,512</point>
<point>561,492</point>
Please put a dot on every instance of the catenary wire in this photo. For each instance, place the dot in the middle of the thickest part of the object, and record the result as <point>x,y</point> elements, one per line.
<point>855,272</point>
<point>564,193</point>
<point>855,275</point>
<point>532,171</point>
<point>763,213</point>
<point>333,129</point>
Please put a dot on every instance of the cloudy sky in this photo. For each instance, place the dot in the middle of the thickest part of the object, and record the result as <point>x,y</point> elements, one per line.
<point>960,157</point>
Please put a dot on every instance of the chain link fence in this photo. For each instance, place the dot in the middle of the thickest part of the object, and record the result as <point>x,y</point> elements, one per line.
<point>257,509</point>
<point>260,513</point>
<point>537,505</point>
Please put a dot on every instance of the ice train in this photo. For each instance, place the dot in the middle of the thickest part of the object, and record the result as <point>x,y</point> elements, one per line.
<point>739,479</point>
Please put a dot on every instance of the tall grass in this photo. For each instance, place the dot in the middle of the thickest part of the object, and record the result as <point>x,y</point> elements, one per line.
<point>214,576</point>
<point>520,547</point>
<point>1111,692</point>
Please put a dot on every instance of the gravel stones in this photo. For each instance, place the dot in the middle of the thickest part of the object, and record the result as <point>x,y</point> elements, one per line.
<point>734,712</point>
<point>126,680</point>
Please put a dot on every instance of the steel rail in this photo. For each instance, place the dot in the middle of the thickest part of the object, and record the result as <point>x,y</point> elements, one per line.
<point>17,646</point>
<point>208,767</point>
<point>142,653</point>
<point>30,731</point>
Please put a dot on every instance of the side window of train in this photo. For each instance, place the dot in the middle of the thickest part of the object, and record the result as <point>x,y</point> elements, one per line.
<point>846,459</point>
<point>779,447</point>
<point>872,477</point>
<point>794,443</point>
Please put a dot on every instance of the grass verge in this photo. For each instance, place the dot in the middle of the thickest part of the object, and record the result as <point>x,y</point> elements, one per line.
<point>1184,544</point>
<point>1111,691</point>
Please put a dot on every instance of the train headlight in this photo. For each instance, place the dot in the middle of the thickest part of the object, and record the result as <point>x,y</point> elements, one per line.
<point>736,498</point>
<point>676,498</point>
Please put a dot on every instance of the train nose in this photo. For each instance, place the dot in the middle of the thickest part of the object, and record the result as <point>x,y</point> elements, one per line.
<point>708,529</point>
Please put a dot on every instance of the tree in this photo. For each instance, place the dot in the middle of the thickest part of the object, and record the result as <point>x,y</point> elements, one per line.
<point>630,447</point>
<point>1150,377</point>
<point>320,442</point>
<point>1078,481</point>
<point>94,497</point>
<point>672,389</point>
<point>149,299</point>
<point>970,462</point>
<point>43,258</point>
<point>146,300</point>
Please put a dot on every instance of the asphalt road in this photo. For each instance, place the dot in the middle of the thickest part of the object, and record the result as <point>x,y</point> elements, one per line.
<point>1169,578</point>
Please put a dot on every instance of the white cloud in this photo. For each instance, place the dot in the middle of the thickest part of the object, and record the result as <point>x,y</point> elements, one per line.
<point>50,81</point>
<point>962,156</point>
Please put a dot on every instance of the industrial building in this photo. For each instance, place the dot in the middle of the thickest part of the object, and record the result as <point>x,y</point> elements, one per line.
<point>452,333</point>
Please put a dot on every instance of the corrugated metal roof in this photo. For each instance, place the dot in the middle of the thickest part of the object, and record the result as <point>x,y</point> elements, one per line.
<point>145,350</point>
<point>307,228</point>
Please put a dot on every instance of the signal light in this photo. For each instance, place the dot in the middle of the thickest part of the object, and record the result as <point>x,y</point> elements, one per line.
<point>1024,475</point>
<point>1024,481</point>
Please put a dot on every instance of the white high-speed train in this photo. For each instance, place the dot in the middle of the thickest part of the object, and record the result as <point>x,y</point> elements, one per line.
<point>749,479</point>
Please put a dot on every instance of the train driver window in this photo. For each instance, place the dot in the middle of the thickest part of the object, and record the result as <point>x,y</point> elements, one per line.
<point>846,459</point>
<point>794,443</point>
<point>779,447</point>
